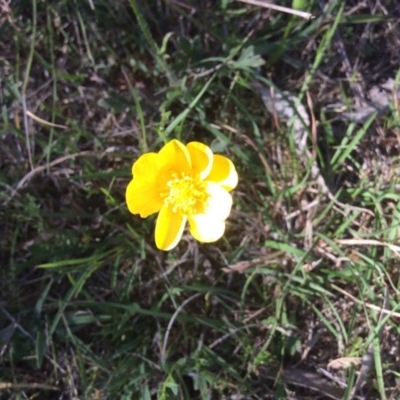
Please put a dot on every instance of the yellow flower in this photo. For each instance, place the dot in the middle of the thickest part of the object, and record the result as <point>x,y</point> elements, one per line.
<point>183,183</point>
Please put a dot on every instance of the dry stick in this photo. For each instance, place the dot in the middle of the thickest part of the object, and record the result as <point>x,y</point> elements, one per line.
<point>28,386</point>
<point>369,242</point>
<point>41,168</point>
<point>302,378</point>
<point>44,122</point>
<point>261,3</point>
<point>169,327</point>
<point>91,5</point>
<point>368,305</point>
<point>227,335</point>
<point>25,84</point>
<point>26,129</point>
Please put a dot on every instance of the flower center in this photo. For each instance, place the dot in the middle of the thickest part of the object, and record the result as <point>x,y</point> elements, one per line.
<point>186,194</point>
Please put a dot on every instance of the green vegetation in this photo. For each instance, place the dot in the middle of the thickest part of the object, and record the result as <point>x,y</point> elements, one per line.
<point>90,309</point>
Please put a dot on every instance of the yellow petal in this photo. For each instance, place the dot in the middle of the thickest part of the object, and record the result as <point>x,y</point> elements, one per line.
<point>202,158</point>
<point>219,202</point>
<point>169,228</point>
<point>142,194</point>
<point>143,197</point>
<point>223,172</point>
<point>206,229</point>
<point>210,226</point>
<point>145,165</point>
<point>174,157</point>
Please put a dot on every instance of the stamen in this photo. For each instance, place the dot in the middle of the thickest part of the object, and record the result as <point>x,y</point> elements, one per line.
<point>186,195</point>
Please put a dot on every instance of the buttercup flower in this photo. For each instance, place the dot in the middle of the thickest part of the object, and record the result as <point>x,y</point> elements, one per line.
<point>183,183</point>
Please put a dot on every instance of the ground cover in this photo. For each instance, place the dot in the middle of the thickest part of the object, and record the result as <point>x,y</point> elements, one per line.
<point>298,300</point>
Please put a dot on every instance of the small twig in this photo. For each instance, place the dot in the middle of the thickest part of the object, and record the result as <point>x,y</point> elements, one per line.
<point>288,10</point>
<point>31,386</point>
<point>369,242</point>
<point>391,313</point>
<point>165,273</point>
<point>302,378</point>
<point>25,84</point>
<point>332,377</point>
<point>26,129</point>
<point>227,335</point>
<point>171,322</point>
<point>44,122</point>
<point>41,168</point>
